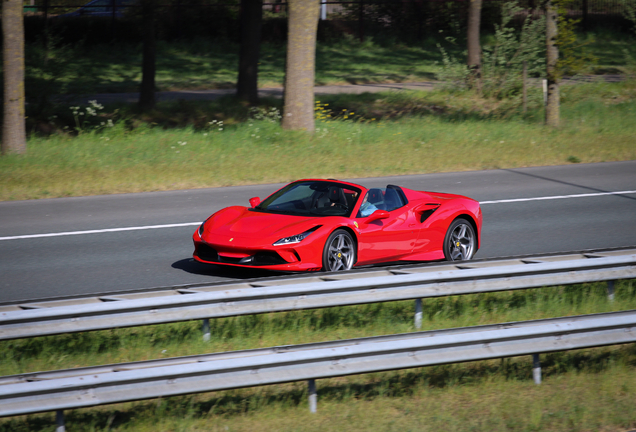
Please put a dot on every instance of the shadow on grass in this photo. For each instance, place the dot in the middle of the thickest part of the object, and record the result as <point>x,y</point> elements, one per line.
<point>442,104</point>
<point>390,105</point>
<point>450,107</point>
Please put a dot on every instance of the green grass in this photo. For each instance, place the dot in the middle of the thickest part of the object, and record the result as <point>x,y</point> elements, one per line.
<point>610,50</point>
<point>175,147</point>
<point>203,64</point>
<point>583,390</point>
<point>207,64</point>
<point>600,400</point>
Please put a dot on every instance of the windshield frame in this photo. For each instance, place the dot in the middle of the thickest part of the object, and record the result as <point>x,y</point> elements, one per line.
<point>320,186</point>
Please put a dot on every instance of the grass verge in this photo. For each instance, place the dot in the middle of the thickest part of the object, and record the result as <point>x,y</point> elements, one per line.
<point>193,145</point>
<point>582,390</point>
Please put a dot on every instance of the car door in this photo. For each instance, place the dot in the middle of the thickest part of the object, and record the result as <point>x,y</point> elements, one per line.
<point>386,238</point>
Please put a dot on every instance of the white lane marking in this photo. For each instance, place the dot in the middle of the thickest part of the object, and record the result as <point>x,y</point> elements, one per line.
<point>69,233</point>
<point>558,197</point>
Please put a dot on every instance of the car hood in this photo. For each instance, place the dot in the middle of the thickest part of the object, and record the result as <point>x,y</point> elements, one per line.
<point>241,222</point>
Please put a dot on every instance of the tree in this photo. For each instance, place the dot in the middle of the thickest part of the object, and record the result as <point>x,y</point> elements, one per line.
<point>149,60</point>
<point>552,106</point>
<point>13,127</point>
<point>630,14</point>
<point>474,46</point>
<point>250,21</point>
<point>298,111</point>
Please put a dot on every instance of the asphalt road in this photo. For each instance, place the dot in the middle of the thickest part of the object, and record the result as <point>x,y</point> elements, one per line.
<point>43,252</point>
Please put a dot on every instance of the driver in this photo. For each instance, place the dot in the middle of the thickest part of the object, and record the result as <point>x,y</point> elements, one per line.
<point>367,209</point>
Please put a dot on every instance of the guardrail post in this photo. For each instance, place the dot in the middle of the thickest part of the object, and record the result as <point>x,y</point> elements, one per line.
<point>206,330</point>
<point>313,396</point>
<point>610,290</point>
<point>59,421</point>
<point>418,314</point>
<point>536,369</point>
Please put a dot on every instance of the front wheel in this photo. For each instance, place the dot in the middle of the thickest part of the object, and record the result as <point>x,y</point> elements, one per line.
<point>340,251</point>
<point>460,242</point>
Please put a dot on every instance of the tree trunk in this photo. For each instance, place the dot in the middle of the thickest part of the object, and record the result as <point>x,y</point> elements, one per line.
<point>13,127</point>
<point>552,105</point>
<point>148,68</point>
<point>474,46</point>
<point>298,113</point>
<point>251,18</point>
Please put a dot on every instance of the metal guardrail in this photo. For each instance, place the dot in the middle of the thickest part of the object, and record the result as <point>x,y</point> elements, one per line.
<point>77,388</point>
<point>337,289</point>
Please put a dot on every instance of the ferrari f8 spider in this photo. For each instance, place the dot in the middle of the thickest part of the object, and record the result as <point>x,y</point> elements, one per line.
<point>332,225</point>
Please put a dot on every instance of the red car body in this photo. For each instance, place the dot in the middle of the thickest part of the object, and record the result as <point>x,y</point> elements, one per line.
<point>414,231</point>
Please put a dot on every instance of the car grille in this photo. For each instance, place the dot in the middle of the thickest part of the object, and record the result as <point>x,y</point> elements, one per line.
<point>207,253</point>
<point>268,258</point>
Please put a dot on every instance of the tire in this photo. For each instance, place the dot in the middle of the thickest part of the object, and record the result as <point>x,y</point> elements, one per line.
<point>460,243</point>
<point>339,253</point>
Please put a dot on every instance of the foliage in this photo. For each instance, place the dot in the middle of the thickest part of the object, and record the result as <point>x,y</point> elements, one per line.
<point>47,63</point>
<point>326,115</point>
<point>630,59</point>
<point>630,13</point>
<point>206,64</point>
<point>406,20</point>
<point>502,60</point>
<point>271,115</point>
<point>412,21</point>
<point>574,56</point>
<point>175,20</point>
<point>85,117</point>
<point>453,71</point>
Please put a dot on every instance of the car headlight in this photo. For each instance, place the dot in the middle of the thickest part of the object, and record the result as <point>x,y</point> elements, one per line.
<point>295,238</point>
<point>202,228</point>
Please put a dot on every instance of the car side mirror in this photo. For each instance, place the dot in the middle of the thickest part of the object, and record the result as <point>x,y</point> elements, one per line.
<point>255,201</point>
<point>377,215</point>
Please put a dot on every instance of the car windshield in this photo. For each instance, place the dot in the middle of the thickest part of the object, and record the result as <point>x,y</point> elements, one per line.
<point>312,198</point>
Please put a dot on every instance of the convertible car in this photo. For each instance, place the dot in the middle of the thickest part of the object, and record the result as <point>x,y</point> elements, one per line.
<point>332,225</point>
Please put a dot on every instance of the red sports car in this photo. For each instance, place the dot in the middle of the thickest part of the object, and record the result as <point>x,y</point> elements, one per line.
<point>331,225</point>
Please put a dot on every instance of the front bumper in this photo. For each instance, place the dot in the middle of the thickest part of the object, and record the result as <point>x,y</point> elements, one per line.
<point>303,257</point>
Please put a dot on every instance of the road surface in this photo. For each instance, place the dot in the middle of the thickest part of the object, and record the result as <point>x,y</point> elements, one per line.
<point>90,245</point>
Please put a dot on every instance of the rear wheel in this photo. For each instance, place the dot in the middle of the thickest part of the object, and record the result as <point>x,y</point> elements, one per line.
<point>460,242</point>
<point>340,251</point>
